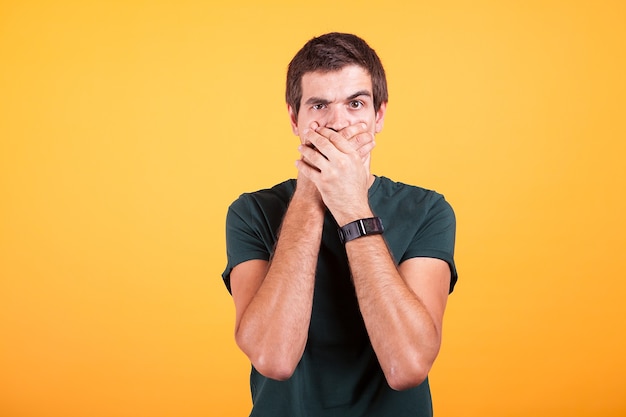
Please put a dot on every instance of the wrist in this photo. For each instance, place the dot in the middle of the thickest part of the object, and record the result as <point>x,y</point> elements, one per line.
<point>345,217</point>
<point>308,200</point>
<point>359,228</point>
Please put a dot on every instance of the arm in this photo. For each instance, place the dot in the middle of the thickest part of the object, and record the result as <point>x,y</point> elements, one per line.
<point>402,307</point>
<point>273,301</point>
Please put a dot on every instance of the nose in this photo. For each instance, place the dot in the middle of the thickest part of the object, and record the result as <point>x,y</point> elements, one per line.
<point>337,118</point>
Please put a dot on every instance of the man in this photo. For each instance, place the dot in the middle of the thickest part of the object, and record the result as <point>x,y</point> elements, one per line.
<point>339,278</point>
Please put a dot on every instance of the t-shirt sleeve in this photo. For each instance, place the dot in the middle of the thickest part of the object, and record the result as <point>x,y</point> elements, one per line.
<point>243,239</point>
<point>436,237</point>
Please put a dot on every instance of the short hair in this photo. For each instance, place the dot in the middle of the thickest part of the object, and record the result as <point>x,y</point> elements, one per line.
<point>332,52</point>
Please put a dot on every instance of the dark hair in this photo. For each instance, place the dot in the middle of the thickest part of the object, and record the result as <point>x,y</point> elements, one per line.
<point>332,52</point>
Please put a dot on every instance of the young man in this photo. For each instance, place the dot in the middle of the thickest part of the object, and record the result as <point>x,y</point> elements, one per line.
<point>339,278</point>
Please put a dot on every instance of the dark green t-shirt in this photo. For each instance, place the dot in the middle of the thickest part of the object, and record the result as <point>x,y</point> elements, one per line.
<point>339,374</point>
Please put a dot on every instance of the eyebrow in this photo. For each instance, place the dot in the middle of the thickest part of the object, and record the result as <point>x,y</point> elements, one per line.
<point>359,94</point>
<point>319,100</point>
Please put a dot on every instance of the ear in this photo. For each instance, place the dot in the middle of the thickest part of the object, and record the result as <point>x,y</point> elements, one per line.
<point>380,116</point>
<point>293,118</point>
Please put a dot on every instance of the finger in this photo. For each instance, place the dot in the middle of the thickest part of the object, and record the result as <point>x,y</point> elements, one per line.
<point>352,131</point>
<point>306,169</point>
<point>366,149</point>
<point>321,142</point>
<point>361,141</point>
<point>308,134</point>
<point>312,156</point>
<point>336,139</point>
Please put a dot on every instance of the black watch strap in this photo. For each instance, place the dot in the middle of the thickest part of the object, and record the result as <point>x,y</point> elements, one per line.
<point>359,228</point>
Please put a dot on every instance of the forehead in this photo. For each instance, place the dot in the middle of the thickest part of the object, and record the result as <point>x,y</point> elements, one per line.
<point>341,83</point>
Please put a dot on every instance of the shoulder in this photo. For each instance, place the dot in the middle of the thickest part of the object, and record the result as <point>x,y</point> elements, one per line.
<point>266,199</point>
<point>260,212</point>
<point>407,197</point>
<point>389,187</point>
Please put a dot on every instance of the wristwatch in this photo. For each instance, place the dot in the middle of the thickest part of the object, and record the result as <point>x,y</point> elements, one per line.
<point>359,228</point>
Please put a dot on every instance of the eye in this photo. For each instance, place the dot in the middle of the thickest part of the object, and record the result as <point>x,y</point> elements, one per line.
<point>318,106</point>
<point>356,104</point>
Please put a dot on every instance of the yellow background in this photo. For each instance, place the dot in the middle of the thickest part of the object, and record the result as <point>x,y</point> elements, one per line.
<point>128,127</point>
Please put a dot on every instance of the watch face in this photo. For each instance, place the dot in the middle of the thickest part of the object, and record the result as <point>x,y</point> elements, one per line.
<point>373,224</point>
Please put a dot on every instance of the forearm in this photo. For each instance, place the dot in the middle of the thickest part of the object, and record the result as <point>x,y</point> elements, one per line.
<point>403,333</point>
<point>402,307</point>
<point>273,329</point>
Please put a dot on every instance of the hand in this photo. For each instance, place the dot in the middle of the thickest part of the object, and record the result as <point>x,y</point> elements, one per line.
<point>362,142</point>
<point>361,139</point>
<point>337,163</point>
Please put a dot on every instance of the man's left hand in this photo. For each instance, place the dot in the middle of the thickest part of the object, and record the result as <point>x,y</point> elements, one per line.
<point>339,167</point>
